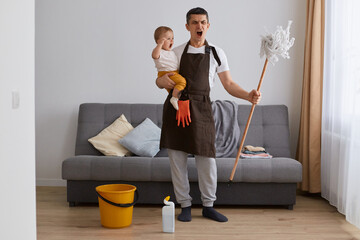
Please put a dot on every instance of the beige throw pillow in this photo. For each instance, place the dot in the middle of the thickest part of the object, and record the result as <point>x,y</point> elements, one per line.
<point>107,140</point>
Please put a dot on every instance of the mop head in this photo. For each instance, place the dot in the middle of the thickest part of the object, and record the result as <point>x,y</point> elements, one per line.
<point>277,44</point>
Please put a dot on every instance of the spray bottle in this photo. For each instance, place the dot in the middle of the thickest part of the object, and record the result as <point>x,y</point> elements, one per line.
<point>168,216</point>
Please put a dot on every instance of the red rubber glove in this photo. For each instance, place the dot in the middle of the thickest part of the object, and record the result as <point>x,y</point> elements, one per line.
<point>183,114</point>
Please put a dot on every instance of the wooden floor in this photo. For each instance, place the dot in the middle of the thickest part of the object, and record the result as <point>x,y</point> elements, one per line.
<point>312,218</point>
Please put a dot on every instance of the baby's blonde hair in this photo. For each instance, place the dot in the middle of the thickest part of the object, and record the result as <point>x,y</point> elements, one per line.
<point>160,30</point>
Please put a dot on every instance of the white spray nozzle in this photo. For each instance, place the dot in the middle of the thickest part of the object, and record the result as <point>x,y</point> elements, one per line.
<point>167,202</point>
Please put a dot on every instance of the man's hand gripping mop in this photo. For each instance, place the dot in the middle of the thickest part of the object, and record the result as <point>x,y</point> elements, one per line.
<point>272,46</point>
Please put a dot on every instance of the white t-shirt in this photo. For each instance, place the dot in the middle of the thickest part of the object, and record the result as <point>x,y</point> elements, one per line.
<point>214,67</point>
<point>167,61</point>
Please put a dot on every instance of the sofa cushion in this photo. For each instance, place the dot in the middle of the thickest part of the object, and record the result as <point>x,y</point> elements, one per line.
<point>269,128</point>
<point>134,168</point>
<point>280,170</point>
<point>260,170</point>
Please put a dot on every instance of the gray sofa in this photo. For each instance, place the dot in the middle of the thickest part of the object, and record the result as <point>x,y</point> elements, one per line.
<point>256,182</point>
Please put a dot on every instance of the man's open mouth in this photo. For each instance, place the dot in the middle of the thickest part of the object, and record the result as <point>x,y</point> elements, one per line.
<point>199,33</point>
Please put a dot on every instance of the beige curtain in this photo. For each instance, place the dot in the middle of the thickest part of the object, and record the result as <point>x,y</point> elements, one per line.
<point>309,143</point>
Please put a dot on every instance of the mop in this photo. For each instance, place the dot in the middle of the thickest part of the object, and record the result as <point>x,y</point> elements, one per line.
<point>272,45</point>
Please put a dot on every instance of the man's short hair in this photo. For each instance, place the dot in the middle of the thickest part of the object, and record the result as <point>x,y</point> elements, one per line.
<point>197,10</point>
<point>160,30</point>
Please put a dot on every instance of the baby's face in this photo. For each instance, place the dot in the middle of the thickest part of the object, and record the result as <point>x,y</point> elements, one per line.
<point>169,40</point>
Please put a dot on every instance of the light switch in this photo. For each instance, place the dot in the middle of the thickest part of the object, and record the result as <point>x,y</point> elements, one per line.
<point>15,99</point>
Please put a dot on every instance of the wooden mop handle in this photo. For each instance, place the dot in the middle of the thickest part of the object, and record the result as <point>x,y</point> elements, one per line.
<point>247,124</point>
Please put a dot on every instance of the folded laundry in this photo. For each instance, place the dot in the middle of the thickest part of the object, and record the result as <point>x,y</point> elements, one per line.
<point>259,155</point>
<point>253,149</point>
<point>254,152</point>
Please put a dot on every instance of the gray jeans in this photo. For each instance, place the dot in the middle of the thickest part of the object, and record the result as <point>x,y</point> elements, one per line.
<point>207,177</point>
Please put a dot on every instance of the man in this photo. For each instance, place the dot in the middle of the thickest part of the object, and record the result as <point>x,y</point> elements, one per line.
<point>199,61</point>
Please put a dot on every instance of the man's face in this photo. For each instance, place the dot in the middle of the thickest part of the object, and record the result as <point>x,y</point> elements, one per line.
<point>198,26</point>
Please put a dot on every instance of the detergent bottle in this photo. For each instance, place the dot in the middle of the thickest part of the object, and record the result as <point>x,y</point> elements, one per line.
<point>168,216</point>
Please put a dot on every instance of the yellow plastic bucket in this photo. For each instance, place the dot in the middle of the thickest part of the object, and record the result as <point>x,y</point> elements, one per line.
<point>116,202</point>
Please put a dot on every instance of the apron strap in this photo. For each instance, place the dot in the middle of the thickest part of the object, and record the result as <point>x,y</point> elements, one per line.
<point>208,49</point>
<point>216,56</point>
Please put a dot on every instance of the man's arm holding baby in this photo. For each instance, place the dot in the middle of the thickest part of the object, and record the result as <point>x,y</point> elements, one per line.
<point>235,90</point>
<point>165,82</point>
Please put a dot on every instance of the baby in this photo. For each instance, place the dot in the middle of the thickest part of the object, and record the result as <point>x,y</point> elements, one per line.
<point>166,61</point>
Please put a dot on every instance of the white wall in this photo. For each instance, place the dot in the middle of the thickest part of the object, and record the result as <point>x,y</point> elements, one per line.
<point>17,126</point>
<point>99,51</point>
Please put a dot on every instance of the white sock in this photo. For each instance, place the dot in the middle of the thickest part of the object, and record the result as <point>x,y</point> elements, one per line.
<point>174,102</point>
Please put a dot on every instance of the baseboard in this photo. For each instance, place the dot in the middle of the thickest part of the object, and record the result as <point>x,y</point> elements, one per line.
<point>50,182</point>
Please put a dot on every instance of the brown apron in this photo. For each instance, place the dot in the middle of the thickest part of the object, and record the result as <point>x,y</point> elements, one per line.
<point>199,137</point>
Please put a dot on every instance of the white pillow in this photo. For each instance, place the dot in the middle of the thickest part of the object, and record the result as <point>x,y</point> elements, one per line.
<point>107,140</point>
